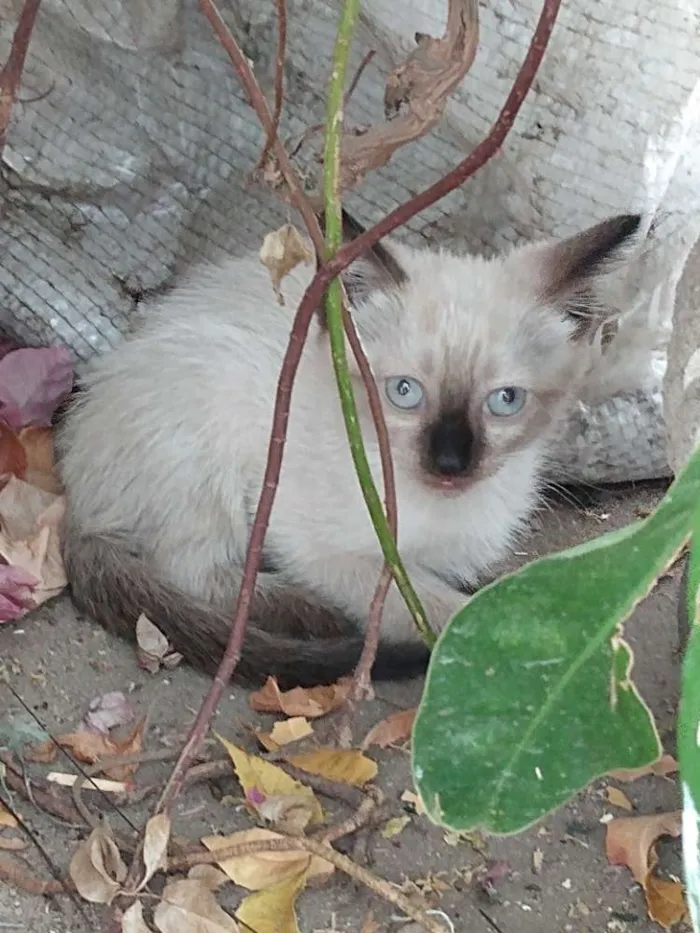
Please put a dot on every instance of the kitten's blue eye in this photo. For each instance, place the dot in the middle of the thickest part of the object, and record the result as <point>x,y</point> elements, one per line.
<point>506,401</point>
<point>404,392</point>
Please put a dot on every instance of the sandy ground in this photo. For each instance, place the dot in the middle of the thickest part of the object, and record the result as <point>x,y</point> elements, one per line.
<point>59,662</point>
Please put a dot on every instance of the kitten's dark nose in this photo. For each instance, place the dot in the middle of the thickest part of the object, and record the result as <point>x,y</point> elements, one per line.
<point>452,447</point>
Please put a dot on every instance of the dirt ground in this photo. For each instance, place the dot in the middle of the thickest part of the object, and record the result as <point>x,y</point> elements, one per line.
<point>59,662</point>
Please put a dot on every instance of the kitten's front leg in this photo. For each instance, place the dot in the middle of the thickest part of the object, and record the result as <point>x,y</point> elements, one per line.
<point>349,582</point>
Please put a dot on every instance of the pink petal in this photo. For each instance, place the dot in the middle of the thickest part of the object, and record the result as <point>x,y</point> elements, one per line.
<point>33,383</point>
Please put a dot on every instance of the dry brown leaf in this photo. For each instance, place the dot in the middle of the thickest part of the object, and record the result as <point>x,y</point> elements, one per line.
<point>6,818</point>
<point>153,648</point>
<point>392,730</point>
<point>155,847</point>
<point>29,535</point>
<point>13,844</point>
<point>283,250</point>
<point>288,813</point>
<point>311,702</point>
<point>132,920</point>
<point>13,458</point>
<point>291,730</point>
<point>347,765</point>
<point>39,450</point>
<point>208,875</point>
<point>91,747</point>
<point>42,754</point>
<point>663,766</point>
<point>97,869</point>
<point>260,779</point>
<point>263,869</point>
<point>616,797</point>
<point>272,910</point>
<point>665,901</point>
<point>629,840</point>
<point>189,907</point>
<point>409,797</point>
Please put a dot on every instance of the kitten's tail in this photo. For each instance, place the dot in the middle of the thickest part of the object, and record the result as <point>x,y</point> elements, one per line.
<point>112,584</point>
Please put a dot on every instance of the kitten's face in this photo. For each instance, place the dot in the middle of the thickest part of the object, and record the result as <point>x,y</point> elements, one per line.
<point>476,360</point>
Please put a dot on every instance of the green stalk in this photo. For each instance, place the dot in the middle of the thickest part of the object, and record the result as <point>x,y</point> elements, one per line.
<point>334,317</point>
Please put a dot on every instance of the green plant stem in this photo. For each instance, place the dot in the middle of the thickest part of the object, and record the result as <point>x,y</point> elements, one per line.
<point>334,318</point>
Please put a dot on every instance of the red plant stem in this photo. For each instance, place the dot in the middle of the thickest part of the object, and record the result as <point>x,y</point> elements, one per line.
<point>11,73</point>
<point>310,301</point>
<point>279,80</point>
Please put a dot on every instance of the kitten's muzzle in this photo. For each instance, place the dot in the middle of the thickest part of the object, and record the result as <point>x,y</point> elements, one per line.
<point>451,449</point>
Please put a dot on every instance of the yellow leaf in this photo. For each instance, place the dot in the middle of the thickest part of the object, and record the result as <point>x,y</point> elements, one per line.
<point>291,730</point>
<point>615,796</point>
<point>272,910</point>
<point>260,779</point>
<point>262,869</point>
<point>394,826</point>
<point>337,764</point>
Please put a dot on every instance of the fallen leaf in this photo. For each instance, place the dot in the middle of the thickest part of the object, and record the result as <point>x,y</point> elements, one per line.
<point>629,840</point>
<point>263,869</point>
<point>154,650</point>
<point>97,869</point>
<point>665,901</point>
<point>13,457</point>
<point>189,907</point>
<point>615,796</point>
<point>43,753</point>
<point>392,730</point>
<point>347,765</point>
<point>6,818</point>
<point>663,766</point>
<point>414,800</point>
<point>208,875</point>
<point>155,847</point>
<point>132,920</point>
<point>17,588</point>
<point>287,731</point>
<point>311,702</point>
<point>261,779</point>
<point>272,910</point>
<point>107,711</point>
<point>29,538</point>
<point>283,250</point>
<point>394,826</point>
<point>537,861</point>
<point>37,444</point>
<point>287,813</point>
<point>33,383</point>
<point>92,747</point>
<point>13,844</point>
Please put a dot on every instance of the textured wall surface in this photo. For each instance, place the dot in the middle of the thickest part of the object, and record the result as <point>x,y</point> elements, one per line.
<point>132,144</point>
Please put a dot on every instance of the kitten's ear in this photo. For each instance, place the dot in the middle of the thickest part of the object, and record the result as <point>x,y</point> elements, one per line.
<point>568,270</point>
<point>376,270</point>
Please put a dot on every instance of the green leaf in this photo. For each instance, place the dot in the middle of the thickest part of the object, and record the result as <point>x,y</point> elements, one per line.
<point>689,735</point>
<point>528,695</point>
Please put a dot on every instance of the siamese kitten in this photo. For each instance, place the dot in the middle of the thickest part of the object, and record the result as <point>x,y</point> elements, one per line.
<point>478,363</point>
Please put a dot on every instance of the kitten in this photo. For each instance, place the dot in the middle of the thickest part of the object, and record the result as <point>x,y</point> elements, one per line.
<point>478,363</point>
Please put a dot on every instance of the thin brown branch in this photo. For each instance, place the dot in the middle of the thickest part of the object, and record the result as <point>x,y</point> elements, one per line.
<point>11,872</point>
<point>367,58</point>
<point>11,73</point>
<point>418,91</point>
<point>417,912</point>
<point>279,81</point>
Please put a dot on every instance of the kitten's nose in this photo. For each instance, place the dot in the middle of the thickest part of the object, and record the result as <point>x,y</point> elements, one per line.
<point>451,445</point>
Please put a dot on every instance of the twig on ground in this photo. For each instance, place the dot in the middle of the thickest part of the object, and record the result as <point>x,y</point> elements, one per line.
<point>11,72</point>
<point>372,800</point>
<point>39,792</point>
<point>384,889</point>
<point>11,872</point>
<point>279,81</point>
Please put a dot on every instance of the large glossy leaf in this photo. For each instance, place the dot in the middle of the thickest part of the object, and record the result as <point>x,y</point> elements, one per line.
<point>689,735</point>
<point>528,695</point>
